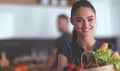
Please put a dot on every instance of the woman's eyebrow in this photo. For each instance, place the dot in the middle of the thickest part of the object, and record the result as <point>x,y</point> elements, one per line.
<point>90,16</point>
<point>83,18</point>
<point>79,18</point>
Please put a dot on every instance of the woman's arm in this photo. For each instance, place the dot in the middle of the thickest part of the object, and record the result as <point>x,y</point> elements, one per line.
<point>116,54</point>
<point>62,62</point>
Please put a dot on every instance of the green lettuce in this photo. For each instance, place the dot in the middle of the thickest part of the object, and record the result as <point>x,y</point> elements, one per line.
<point>104,58</point>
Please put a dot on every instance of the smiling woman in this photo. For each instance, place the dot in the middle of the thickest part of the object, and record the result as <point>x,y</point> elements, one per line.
<point>83,18</point>
<point>84,21</point>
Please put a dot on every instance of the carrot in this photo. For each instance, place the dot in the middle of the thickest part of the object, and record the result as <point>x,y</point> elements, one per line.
<point>104,46</point>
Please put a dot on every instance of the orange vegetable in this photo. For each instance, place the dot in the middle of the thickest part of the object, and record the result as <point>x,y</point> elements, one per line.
<point>20,68</point>
<point>24,68</point>
<point>104,46</point>
<point>17,68</point>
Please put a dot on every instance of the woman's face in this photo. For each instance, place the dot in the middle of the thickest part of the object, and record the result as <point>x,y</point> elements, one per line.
<point>84,20</point>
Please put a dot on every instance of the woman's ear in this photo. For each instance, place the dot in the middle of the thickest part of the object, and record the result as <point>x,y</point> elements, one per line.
<point>71,20</point>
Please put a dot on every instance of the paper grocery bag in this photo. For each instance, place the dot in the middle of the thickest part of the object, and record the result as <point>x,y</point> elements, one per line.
<point>101,68</point>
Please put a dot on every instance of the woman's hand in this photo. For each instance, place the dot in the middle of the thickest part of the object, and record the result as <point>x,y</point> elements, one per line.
<point>116,54</point>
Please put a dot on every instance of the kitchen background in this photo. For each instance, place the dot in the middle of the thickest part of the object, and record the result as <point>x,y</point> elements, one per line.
<point>28,28</point>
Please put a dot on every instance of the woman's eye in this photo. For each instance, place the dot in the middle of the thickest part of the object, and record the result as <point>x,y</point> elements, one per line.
<point>80,20</point>
<point>90,20</point>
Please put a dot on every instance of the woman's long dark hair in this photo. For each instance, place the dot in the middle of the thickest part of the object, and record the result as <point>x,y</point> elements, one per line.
<point>75,6</point>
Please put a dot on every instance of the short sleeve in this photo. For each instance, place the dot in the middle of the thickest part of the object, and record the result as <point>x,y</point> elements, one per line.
<point>64,50</point>
<point>113,47</point>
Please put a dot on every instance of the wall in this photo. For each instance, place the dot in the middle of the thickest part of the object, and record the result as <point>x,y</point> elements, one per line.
<point>33,21</point>
<point>40,21</point>
<point>115,9</point>
<point>6,25</point>
<point>103,13</point>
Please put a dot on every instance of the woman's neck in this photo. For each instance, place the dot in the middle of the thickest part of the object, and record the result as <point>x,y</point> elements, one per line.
<point>87,42</point>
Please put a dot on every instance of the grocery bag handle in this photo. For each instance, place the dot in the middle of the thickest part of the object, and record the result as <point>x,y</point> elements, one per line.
<point>82,60</point>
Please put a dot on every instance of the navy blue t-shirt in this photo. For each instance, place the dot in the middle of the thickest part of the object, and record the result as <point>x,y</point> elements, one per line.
<point>73,50</point>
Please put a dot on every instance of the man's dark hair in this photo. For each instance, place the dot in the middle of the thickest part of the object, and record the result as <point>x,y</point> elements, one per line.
<point>63,16</point>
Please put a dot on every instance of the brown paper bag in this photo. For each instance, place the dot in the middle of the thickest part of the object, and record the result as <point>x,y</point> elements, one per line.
<point>98,68</point>
<point>101,68</point>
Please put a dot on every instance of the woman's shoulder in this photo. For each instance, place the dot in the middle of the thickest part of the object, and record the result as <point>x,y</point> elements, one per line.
<point>113,46</point>
<point>65,47</point>
<point>65,50</point>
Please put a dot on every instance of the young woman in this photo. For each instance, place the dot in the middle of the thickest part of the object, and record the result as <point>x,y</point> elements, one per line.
<point>83,18</point>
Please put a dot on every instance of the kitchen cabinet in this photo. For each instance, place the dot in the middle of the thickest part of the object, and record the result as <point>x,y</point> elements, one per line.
<point>19,1</point>
<point>70,2</point>
<point>40,2</point>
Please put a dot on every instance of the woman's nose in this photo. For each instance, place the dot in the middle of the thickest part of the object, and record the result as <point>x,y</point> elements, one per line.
<point>85,24</point>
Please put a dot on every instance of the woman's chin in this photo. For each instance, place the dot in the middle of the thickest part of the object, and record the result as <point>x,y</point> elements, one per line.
<point>86,34</point>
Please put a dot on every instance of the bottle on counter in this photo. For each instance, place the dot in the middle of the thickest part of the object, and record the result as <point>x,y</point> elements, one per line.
<point>63,2</point>
<point>54,2</point>
<point>4,62</point>
<point>44,2</point>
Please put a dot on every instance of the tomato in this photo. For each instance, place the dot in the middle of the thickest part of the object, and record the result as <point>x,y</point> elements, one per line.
<point>78,68</point>
<point>71,67</point>
<point>84,65</point>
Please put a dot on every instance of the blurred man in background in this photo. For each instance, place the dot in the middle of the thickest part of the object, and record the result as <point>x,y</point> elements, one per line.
<point>63,27</point>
